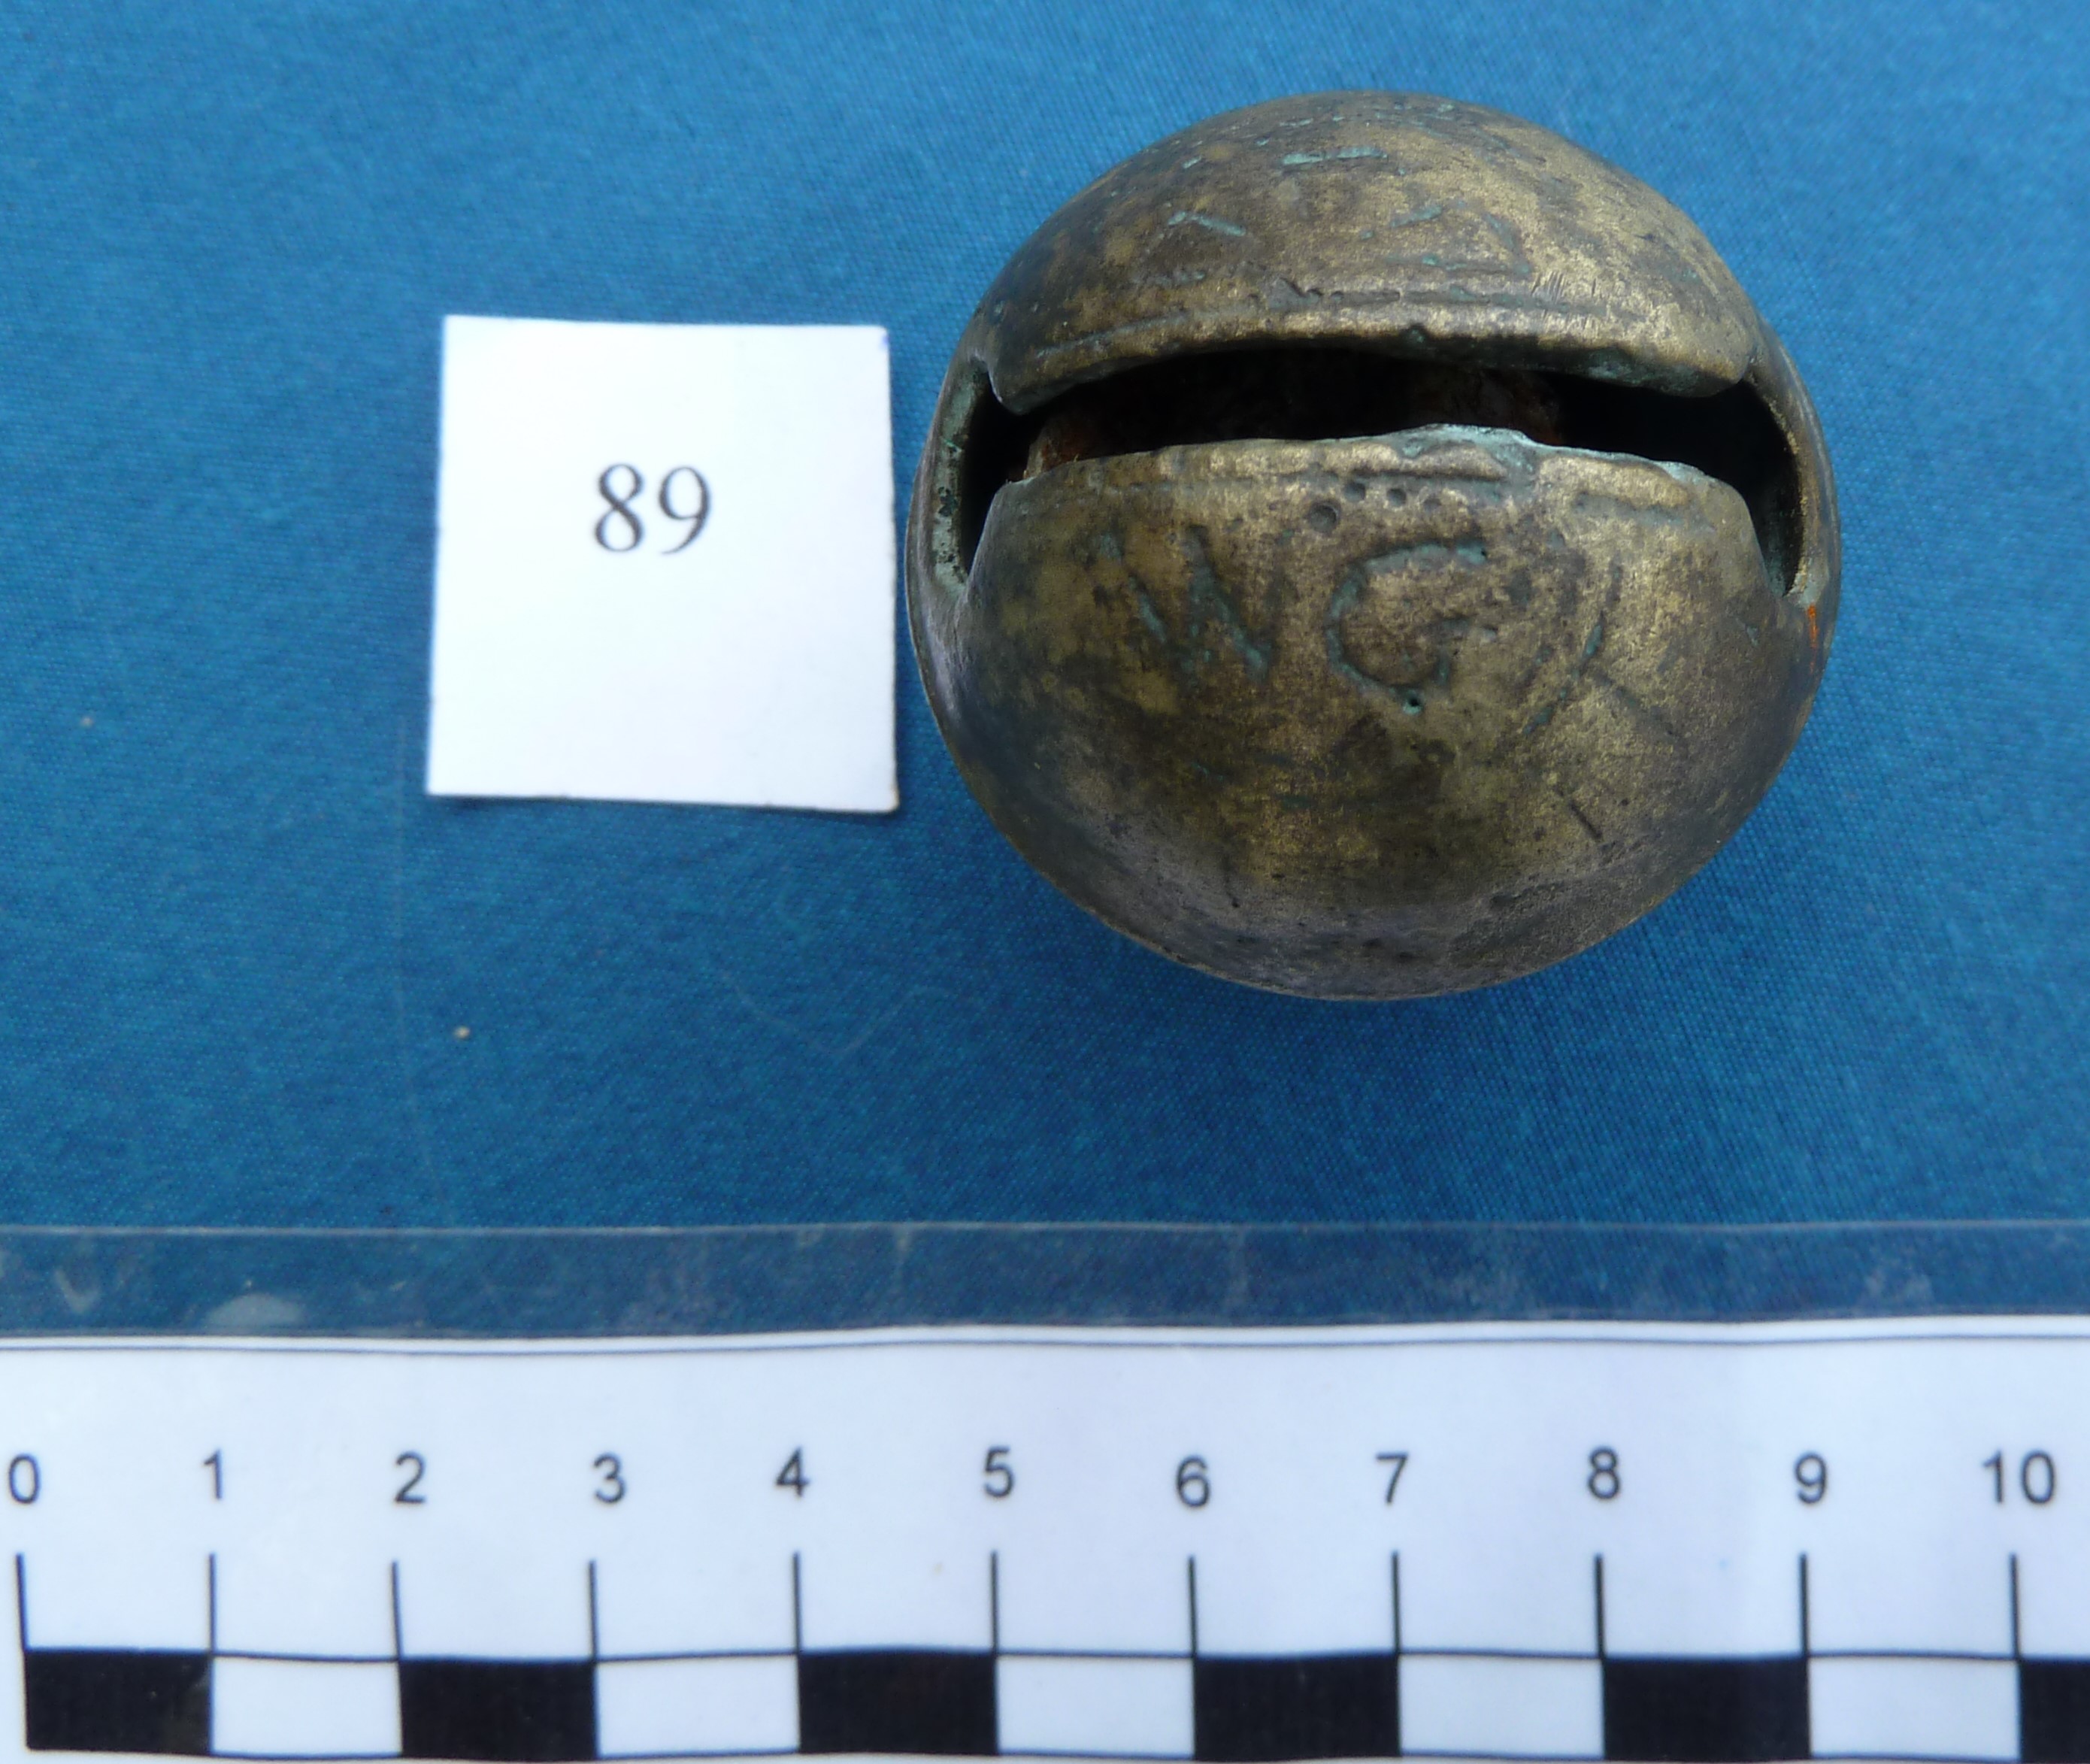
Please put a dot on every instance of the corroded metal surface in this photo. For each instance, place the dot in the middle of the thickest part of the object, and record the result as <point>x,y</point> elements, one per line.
<point>1370,547</point>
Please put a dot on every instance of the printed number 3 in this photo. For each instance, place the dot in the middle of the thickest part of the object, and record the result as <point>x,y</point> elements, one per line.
<point>619,528</point>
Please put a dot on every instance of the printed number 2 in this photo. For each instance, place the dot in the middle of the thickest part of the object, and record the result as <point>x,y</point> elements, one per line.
<point>410,1493</point>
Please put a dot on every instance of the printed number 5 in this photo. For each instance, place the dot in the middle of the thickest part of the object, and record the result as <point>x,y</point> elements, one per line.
<point>1001,1474</point>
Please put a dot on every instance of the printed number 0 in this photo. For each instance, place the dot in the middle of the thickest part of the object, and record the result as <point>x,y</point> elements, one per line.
<point>25,1481</point>
<point>1193,1482</point>
<point>1604,1481</point>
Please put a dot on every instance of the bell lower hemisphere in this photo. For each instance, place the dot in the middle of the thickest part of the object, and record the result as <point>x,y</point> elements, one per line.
<point>1369,718</point>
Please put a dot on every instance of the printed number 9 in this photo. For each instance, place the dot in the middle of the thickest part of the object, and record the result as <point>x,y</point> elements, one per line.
<point>620,530</point>
<point>1604,1481</point>
<point>1810,1472</point>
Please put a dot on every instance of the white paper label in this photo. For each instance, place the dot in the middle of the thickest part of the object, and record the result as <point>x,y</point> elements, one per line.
<point>664,565</point>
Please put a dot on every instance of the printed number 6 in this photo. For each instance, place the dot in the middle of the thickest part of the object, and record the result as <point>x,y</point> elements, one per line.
<point>1193,1482</point>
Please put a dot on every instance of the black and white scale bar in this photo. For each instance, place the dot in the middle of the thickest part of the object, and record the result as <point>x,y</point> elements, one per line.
<point>1706,1711</point>
<point>1297,1706</point>
<point>907,1700</point>
<point>522,1711</point>
<point>107,1700</point>
<point>2054,1711</point>
<point>1259,1708</point>
<point>932,1702</point>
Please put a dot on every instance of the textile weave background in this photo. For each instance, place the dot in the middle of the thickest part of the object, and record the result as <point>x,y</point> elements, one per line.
<point>237,942</point>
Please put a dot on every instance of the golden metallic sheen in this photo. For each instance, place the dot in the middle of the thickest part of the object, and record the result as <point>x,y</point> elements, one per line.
<point>1368,546</point>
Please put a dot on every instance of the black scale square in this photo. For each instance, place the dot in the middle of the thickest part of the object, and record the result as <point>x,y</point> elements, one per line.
<point>1300,1706</point>
<point>1707,1711</point>
<point>897,1700</point>
<point>518,1712</point>
<point>2054,1711</point>
<point>115,1700</point>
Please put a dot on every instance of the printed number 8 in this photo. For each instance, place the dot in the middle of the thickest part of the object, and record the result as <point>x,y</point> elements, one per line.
<point>1604,1481</point>
<point>629,529</point>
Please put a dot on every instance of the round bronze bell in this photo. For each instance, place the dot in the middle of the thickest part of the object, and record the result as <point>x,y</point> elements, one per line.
<point>1368,546</point>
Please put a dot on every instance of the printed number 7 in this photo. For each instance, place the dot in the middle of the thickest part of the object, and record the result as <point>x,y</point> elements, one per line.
<point>1399,1461</point>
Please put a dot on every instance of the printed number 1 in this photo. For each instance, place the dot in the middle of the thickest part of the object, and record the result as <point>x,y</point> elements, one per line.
<point>215,1464</point>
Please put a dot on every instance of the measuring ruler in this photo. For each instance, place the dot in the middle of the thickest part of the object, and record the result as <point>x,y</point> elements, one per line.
<point>1466,1541</point>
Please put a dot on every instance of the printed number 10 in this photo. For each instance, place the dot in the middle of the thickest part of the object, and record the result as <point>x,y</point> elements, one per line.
<point>619,528</point>
<point>2035,1477</point>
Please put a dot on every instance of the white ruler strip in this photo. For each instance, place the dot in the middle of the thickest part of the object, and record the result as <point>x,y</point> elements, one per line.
<point>1502,1541</point>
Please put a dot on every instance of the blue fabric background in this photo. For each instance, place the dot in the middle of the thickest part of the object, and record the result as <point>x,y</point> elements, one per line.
<point>237,941</point>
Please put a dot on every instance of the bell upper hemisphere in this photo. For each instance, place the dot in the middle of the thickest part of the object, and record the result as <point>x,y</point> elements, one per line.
<point>1430,228</point>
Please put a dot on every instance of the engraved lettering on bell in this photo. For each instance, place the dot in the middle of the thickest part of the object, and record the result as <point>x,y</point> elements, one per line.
<point>1368,546</point>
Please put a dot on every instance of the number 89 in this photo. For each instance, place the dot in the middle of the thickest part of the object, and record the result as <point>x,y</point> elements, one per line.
<point>619,528</point>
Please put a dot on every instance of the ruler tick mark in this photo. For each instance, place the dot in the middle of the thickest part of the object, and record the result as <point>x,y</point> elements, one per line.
<point>1600,1606</point>
<point>1396,1604</point>
<point>1806,1645</point>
